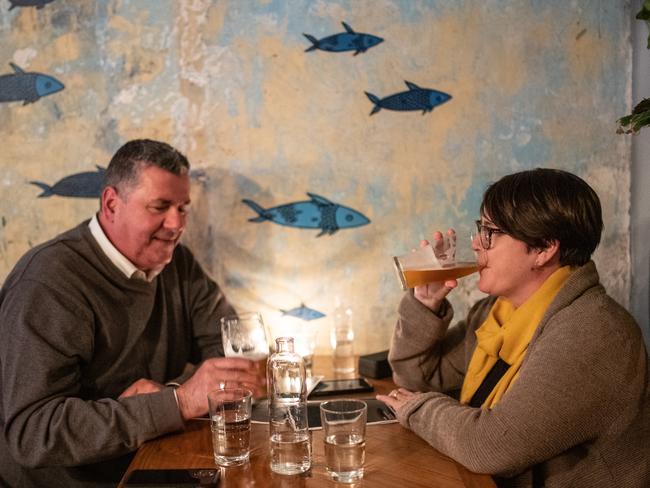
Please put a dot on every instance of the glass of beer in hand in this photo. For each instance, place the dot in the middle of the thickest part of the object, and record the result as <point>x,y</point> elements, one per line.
<point>245,336</point>
<point>440,260</point>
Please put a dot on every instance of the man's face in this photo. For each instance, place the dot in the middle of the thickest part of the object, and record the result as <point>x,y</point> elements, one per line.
<point>146,223</point>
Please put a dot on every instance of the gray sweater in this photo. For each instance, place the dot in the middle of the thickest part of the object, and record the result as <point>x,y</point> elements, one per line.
<point>75,334</point>
<point>577,416</point>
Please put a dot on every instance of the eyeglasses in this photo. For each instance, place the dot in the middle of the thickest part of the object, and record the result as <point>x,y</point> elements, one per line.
<point>485,234</point>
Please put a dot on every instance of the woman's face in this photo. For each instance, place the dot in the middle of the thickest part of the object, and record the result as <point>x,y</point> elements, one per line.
<point>506,269</point>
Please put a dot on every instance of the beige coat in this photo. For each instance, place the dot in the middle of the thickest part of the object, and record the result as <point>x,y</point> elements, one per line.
<point>578,415</point>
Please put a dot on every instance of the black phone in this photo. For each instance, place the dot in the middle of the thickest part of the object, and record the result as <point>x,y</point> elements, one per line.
<point>166,478</point>
<point>340,387</point>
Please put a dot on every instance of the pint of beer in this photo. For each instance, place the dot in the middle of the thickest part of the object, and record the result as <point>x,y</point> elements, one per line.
<point>426,266</point>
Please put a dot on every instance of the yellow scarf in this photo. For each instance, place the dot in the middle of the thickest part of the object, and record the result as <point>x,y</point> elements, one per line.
<point>506,334</point>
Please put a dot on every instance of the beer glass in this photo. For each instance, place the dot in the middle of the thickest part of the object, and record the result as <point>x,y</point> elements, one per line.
<point>230,422</point>
<point>245,336</point>
<point>344,433</point>
<point>438,261</point>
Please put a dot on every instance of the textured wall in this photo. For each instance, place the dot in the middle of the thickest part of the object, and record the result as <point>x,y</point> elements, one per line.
<point>533,83</point>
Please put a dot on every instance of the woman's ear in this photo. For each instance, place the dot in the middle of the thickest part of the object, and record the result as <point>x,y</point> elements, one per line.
<point>548,254</point>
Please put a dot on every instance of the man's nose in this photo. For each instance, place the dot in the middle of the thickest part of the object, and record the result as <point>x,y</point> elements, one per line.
<point>175,220</point>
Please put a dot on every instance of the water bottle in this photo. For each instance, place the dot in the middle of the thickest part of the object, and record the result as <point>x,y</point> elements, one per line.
<point>290,437</point>
<point>342,341</point>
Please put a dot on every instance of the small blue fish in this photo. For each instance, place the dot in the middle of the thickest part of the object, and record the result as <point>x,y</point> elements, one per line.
<point>29,87</point>
<point>317,213</point>
<point>80,185</point>
<point>39,4</point>
<point>415,98</point>
<point>344,41</point>
<point>303,312</point>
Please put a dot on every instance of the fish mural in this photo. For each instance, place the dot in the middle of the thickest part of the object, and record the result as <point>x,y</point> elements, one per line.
<point>415,98</point>
<point>316,213</point>
<point>344,41</point>
<point>39,4</point>
<point>29,87</point>
<point>303,312</point>
<point>80,185</point>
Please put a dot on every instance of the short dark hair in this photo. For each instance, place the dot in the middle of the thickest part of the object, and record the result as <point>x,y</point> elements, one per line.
<point>541,205</point>
<point>125,166</point>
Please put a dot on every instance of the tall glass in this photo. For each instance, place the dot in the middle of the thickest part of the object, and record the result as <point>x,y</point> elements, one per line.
<point>344,433</point>
<point>230,422</point>
<point>245,336</point>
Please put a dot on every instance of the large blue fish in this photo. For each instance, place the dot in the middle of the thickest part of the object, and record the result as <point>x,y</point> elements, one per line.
<point>39,4</point>
<point>28,87</point>
<point>80,185</point>
<point>317,213</point>
<point>304,313</point>
<point>415,98</point>
<point>344,41</point>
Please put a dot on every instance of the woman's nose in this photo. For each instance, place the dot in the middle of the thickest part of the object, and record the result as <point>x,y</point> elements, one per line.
<point>476,242</point>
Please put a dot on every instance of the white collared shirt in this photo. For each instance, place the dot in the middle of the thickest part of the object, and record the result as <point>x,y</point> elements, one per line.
<point>116,257</point>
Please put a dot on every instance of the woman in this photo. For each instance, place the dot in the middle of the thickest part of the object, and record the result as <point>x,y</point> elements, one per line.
<point>552,373</point>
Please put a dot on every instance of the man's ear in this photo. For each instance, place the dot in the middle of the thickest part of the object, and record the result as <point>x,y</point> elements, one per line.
<point>548,254</point>
<point>109,203</point>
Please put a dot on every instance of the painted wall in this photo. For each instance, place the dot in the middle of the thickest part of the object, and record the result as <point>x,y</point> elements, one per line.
<point>640,203</point>
<point>533,83</point>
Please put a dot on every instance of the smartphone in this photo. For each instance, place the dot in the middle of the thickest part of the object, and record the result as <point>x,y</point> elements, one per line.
<point>166,478</point>
<point>340,387</point>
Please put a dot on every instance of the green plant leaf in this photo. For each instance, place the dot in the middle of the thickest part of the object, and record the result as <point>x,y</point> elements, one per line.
<point>644,13</point>
<point>633,123</point>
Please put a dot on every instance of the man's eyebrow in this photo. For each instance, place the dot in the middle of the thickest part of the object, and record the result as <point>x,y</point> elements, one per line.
<point>167,202</point>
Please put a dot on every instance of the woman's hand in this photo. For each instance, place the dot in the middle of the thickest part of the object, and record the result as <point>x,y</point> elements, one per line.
<point>396,399</point>
<point>433,294</point>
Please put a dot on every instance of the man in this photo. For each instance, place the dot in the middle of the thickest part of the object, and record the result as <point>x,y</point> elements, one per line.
<point>96,322</point>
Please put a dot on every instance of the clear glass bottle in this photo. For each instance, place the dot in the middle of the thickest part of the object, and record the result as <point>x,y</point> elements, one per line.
<point>342,341</point>
<point>289,432</point>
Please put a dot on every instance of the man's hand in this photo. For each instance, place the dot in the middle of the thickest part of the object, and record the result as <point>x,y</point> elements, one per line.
<point>432,295</point>
<point>213,374</point>
<point>140,387</point>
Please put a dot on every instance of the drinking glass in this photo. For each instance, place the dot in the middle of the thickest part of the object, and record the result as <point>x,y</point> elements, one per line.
<point>344,432</point>
<point>230,422</point>
<point>436,262</point>
<point>245,336</point>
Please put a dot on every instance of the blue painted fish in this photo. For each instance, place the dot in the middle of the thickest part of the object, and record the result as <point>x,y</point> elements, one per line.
<point>316,213</point>
<point>39,4</point>
<point>344,41</point>
<point>415,98</point>
<point>303,312</point>
<point>80,185</point>
<point>28,87</point>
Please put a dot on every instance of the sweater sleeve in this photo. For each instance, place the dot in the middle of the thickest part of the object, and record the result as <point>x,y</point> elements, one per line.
<point>426,354</point>
<point>47,341</point>
<point>563,397</point>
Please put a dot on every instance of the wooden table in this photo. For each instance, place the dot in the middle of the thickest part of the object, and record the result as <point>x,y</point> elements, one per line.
<point>395,456</point>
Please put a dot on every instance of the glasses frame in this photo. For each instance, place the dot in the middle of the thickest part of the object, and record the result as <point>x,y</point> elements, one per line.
<point>485,234</point>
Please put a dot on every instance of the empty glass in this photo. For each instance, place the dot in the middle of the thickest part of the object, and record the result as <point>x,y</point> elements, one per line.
<point>245,336</point>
